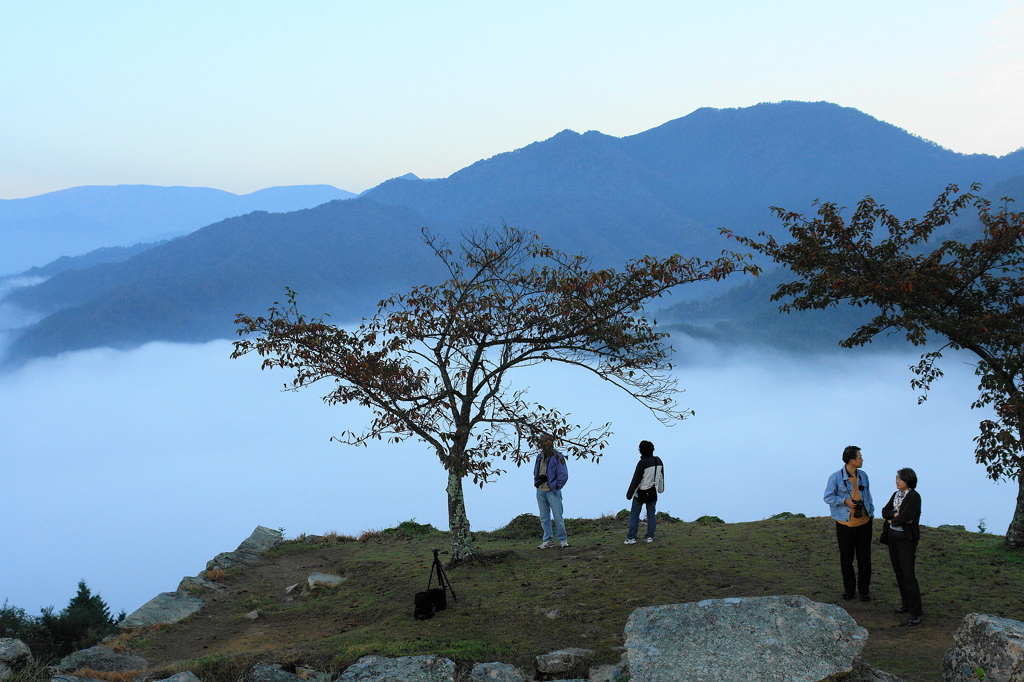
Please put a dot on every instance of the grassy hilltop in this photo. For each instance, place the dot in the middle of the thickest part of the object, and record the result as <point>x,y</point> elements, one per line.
<point>518,601</point>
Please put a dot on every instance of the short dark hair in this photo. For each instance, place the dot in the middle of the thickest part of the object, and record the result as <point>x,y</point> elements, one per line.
<point>646,448</point>
<point>849,453</point>
<point>908,476</point>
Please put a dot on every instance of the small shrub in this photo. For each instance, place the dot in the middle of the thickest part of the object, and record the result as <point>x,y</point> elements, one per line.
<point>522,527</point>
<point>786,515</point>
<point>405,530</point>
<point>665,517</point>
<point>216,575</point>
<point>332,536</point>
<point>37,670</point>
<point>707,520</point>
<point>414,529</point>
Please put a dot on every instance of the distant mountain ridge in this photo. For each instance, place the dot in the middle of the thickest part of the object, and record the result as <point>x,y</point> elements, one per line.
<point>673,185</point>
<point>74,221</point>
<point>662,191</point>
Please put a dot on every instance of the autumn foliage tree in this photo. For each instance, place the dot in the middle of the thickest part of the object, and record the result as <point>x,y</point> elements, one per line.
<point>434,364</point>
<point>962,296</point>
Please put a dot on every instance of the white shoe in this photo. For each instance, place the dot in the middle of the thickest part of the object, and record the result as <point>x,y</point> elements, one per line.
<point>629,541</point>
<point>547,544</point>
<point>564,543</point>
<point>648,539</point>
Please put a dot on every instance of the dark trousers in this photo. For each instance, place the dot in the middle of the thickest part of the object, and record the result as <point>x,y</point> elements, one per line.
<point>634,518</point>
<point>903,555</point>
<point>855,542</point>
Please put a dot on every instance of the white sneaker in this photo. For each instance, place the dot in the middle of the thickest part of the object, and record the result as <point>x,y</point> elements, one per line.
<point>648,539</point>
<point>564,543</point>
<point>629,541</point>
<point>547,544</point>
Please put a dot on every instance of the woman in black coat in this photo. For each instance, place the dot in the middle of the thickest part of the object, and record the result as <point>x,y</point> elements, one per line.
<point>902,516</point>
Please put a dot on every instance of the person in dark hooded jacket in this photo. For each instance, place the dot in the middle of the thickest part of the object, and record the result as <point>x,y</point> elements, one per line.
<point>648,481</point>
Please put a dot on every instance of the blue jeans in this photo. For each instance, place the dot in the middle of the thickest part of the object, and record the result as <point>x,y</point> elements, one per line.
<point>634,519</point>
<point>550,504</point>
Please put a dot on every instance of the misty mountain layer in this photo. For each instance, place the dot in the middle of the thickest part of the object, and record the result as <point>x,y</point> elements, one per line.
<point>663,191</point>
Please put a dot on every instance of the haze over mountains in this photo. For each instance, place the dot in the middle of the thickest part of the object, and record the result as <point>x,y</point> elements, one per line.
<point>74,221</point>
<point>662,191</point>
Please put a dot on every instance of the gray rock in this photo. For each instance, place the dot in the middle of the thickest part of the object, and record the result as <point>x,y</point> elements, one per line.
<point>564,664</point>
<point>949,526</point>
<point>14,654</point>
<point>996,645</point>
<point>785,638</point>
<point>186,676</point>
<point>250,552</point>
<point>313,675</point>
<point>262,672</point>
<point>501,672</point>
<point>609,673</point>
<point>316,580</point>
<point>404,669</point>
<point>73,678</point>
<point>101,659</point>
<point>864,672</point>
<point>194,583</point>
<point>167,607</point>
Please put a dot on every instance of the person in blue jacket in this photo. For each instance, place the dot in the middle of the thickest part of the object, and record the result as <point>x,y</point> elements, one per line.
<point>549,476</point>
<point>848,495</point>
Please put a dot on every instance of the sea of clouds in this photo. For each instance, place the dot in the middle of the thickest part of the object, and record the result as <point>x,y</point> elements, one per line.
<point>130,469</point>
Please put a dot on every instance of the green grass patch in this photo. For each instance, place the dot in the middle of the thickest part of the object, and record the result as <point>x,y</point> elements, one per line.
<point>516,601</point>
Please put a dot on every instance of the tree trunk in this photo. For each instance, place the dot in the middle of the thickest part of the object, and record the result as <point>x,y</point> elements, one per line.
<point>1015,533</point>
<point>458,522</point>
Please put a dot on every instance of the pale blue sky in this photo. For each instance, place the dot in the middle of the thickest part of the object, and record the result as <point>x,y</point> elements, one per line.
<point>245,95</point>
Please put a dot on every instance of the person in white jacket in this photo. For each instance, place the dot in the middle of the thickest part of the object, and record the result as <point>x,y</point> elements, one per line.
<point>648,481</point>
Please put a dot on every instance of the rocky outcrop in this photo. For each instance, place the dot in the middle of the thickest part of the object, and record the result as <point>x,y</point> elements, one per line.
<point>788,638</point>
<point>250,552</point>
<point>167,607</point>
<point>197,584</point>
<point>170,607</point>
<point>405,669</point>
<point>101,659</point>
<point>14,655</point>
<point>986,647</point>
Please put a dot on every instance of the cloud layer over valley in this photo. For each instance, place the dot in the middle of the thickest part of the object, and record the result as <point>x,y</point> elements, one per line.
<point>131,469</point>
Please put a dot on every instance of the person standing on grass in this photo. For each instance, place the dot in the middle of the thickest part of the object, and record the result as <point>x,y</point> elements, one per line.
<point>848,495</point>
<point>549,476</point>
<point>648,481</point>
<point>902,532</point>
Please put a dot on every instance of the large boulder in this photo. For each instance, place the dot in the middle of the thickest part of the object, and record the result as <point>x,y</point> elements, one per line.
<point>166,607</point>
<point>786,638</point>
<point>14,655</point>
<point>250,552</point>
<point>989,643</point>
<point>404,669</point>
<point>101,659</point>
